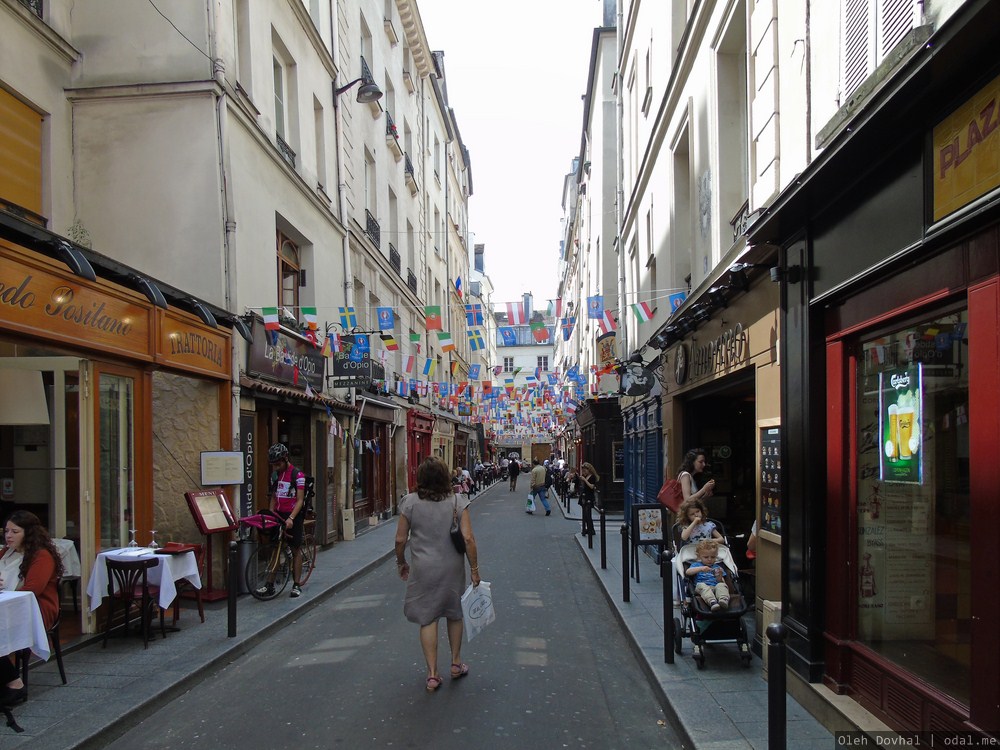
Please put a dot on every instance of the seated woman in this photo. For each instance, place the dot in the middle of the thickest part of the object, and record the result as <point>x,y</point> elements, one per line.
<point>29,562</point>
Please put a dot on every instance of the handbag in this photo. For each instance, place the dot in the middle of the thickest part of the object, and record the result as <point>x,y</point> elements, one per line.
<point>477,609</point>
<point>456,532</point>
<point>671,495</point>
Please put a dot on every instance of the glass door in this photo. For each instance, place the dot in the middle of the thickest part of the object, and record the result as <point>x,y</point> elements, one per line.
<point>115,396</point>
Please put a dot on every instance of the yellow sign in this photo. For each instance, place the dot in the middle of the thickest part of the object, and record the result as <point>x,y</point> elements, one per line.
<point>967,152</point>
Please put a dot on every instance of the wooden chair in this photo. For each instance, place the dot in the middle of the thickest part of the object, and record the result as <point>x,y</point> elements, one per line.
<point>128,583</point>
<point>23,658</point>
<point>185,585</point>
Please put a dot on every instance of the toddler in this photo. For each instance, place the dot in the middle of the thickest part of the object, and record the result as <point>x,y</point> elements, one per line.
<point>709,576</point>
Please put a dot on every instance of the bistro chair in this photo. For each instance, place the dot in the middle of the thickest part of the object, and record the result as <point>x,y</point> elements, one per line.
<point>184,584</point>
<point>24,657</point>
<point>128,583</point>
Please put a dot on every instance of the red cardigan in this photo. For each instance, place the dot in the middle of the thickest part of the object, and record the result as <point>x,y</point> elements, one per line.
<point>42,582</point>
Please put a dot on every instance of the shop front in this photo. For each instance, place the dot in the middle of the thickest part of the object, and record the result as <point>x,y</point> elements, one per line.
<point>602,444</point>
<point>892,421</point>
<point>419,428</point>
<point>373,455</point>
<point>109,401</point>
<point>643,436</point>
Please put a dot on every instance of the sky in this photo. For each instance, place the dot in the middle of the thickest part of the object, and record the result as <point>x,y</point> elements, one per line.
<point>516,75</point>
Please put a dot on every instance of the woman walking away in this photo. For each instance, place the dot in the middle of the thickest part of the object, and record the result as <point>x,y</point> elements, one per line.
<point>435,573</point>
<point>588,481</point>
<point>29,562</point>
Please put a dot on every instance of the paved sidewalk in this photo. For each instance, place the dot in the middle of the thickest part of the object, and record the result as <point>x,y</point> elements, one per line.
<point>111,690</point>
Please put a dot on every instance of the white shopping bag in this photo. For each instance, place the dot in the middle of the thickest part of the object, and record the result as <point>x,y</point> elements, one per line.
<point>530,505</point>
<point>477,608</point>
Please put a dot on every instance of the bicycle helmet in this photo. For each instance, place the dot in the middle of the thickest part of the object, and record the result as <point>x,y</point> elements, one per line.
<point>277,452</point>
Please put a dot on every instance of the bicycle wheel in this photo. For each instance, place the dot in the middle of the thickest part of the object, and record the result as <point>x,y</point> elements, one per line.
<point>267,570</point>
<point>308,556</point>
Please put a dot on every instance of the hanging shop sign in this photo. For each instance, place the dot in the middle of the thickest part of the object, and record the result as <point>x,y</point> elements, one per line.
<point>191,347</point>
<point>637,380</point>
<point>288,360</point>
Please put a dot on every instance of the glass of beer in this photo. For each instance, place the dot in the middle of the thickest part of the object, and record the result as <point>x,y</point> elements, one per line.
<point>892,449</point>
<point>905,417</point>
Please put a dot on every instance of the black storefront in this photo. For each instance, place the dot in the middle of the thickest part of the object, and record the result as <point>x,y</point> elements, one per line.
<point>603,446</point>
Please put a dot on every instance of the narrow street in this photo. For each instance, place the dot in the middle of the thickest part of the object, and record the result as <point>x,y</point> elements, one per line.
<point>554,671</point>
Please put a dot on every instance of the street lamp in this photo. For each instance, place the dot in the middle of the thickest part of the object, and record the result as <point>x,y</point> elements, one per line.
<point>368,92</point>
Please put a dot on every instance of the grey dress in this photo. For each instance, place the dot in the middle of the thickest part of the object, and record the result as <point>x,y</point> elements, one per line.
<point>437,571</point>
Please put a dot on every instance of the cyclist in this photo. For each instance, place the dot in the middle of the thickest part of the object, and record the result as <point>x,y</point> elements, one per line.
<point>287,501</point>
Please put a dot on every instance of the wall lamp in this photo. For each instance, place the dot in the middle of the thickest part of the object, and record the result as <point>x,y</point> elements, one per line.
<point>149,290</point>
<point>701,313</point>
<point>717,296</point>
<point>203,313</point>
<point>240,326</point>
<point>790,275</point>
<point>76,261</point>
<point>369,91</point>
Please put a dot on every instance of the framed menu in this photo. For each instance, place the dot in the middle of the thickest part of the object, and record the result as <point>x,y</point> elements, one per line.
<point>770,479</point>
<point>221,467</point>
<point>211,511</point>
<point>648,525</point>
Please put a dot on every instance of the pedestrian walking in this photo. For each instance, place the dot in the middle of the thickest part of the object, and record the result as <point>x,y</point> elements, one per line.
<point>513,469</point>
<point>539,476</point>
<point>435,572</point>
<point>588,480</point>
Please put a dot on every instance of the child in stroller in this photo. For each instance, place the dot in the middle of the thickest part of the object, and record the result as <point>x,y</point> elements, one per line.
<point>701,621</point>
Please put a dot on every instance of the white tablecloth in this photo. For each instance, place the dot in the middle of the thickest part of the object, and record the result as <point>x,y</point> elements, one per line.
<point>21,624</point>
<point>70,558</point>
<point>177,567</point>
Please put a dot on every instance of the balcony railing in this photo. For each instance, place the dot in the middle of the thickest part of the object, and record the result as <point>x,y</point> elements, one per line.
<point>372,228</point>
<point>408,167</point>
<point>411,280</point>
<point>286,151</point>
<point>394,260</point>
<point>390,127</point>
<point>366,72</point>
<point>35,6</point>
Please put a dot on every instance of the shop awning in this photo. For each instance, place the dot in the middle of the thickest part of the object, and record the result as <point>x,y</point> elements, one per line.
<point>262,386</point>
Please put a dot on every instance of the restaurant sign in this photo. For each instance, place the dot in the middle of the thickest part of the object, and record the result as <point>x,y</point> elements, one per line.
<point>353,367</point>
<point>289,360</point>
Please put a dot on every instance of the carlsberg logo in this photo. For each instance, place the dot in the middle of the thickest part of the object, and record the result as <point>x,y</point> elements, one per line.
<point>900,381</point>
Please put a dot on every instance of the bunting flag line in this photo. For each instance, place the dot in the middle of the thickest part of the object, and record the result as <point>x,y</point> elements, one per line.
<point>389,342</point>
<point>595,307</point>
<point>444,340</point>
<point>309,313</point>
<point>270,318</point>
<point>432,318</point>
<point>474,371</point>
<point>607,322</point>
<point>474,315</point>
<point>476,341</point>
<point>454,367</point>
<point>567,327</point>
<point>409,362</point>
<point>676,300</point>
<point>348,318</point>
<point>539,331</point>
<point>386,318</point>
<point>508,335</point>
<point>498,369</point>
<point>515,313</point>
<point>429,366</point>
<point>642,312</point>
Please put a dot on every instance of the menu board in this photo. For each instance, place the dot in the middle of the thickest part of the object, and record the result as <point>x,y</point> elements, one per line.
<point>648,524</point>
<point>211,511</point>
<point>770,479</point>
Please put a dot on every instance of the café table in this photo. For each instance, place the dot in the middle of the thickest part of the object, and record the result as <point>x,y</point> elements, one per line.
<point>171,568</point>
<point>21,624</point>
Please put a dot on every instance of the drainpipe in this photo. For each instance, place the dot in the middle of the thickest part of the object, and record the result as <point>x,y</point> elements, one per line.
<point>619,203</point>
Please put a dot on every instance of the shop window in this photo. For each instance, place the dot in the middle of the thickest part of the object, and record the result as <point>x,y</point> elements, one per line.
<point>288,274</point>
<point>914,594</point>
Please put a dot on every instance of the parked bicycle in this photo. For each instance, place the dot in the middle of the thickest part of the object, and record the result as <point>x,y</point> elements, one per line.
<point>270,564</point>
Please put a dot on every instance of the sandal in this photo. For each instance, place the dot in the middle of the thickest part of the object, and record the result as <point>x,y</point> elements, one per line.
<point>433,683</point>
<point>459,670</point>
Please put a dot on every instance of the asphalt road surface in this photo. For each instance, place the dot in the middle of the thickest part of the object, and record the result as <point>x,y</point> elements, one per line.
<point>553,671</point>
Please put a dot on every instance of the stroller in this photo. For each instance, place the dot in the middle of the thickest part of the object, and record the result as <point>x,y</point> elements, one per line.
<point>698,622</point>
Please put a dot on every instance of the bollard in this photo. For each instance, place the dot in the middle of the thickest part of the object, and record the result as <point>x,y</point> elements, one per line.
<point>776,727</point>
<point>668,607</point>
<point>625,575</point>
<point>604,549</point>
<point>234,584</point>
<point>590,537</point>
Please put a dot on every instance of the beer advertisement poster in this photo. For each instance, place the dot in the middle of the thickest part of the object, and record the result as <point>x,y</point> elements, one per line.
<point>900,408</point>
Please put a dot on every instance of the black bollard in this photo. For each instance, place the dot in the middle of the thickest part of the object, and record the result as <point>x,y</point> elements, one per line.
<point>668,607</point>
<point>234,585</point>
<point>776,727</point>
<point>604,547</point>
<point>590,537</point>
<point>625,575</point>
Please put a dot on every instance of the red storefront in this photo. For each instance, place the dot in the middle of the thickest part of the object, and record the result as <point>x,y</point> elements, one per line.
<point>419,427</point>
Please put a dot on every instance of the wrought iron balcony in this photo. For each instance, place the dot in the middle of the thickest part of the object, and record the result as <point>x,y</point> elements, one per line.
<point>366,72</point>
<point>35,6</point>
<point>390,127</point>
<point>372,228</point>
<point>411,280</point>
<point>286,151</point>
<point>394,260</point>
<point>408,174</point>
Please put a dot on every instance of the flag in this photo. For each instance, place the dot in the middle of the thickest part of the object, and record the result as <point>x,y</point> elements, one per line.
<point>595,307</point>
<point>498,369</point>
<point>642,312</point>
<point>509,338</point>
<point>567,327</point>
<point>334,339</point>
<point>458,287</point>
<point>515,313</point>
<point>474,371</point>
<point>474,315</point>
<point>389,342</point>
<point>309,313</point>
<point>348,319</point>
<point>444,339</point>
<point>362,344</point>
<point>555,308</point>
<point>270,318</point>
<point>429,365</point>
<point>676,300</point>
<point>487,387</point>
<point>454,366</point>
<point>386,318</point>
<point>402,388</point>
<point>475,339</point>
<point>327,348</point>
<point>432,317</point>
<point>409,363</point>
<point>539,331</point>
<point>607,322</point>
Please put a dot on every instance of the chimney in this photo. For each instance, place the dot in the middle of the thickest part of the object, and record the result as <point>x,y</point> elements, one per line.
<point>480,252</point>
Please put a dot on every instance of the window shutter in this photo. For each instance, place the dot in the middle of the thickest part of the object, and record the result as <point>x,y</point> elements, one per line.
<point>653,473</point>
<point>20,154</point>
<point>857,49</point>
<point>895,22</point>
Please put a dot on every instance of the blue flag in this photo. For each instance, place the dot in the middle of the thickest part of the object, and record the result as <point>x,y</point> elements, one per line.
<point>474,371</point>
<point>595,307</point>
<point>509,337</point>
<point>386,318</point>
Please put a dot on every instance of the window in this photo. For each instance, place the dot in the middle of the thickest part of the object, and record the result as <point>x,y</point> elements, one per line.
<point>244,68</point>
<point>543,363</point>
<point>288,274</point>
<point>915,584</point>
<point>279,97</point>
<point>871,30</point>
<point>508,364</point>
<point>320,135</point>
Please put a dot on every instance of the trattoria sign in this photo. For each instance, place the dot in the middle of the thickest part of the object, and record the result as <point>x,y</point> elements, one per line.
<point>967,151</point>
